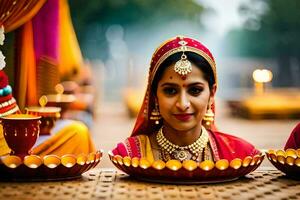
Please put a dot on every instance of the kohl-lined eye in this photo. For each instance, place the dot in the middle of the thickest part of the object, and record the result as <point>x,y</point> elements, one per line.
<point>195,91</point>
<point>169,91</point>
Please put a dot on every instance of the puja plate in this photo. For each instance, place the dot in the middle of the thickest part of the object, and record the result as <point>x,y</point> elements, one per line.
<point>287,161</point>
<point>48,168</point>
<point>186,172</point>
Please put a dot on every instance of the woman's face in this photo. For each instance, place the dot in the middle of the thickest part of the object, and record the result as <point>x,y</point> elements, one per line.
<point>183,102</point>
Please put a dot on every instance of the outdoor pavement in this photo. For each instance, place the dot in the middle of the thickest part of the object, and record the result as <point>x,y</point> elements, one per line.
<point>113,125</point>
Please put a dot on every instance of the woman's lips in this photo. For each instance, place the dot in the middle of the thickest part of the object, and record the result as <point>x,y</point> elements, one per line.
<point>183,117</point>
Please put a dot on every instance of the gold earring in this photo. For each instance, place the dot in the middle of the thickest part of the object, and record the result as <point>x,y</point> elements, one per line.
<point>209,117</point>
<point>155,115</point>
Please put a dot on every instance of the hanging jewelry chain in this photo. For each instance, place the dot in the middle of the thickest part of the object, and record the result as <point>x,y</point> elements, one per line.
<point>183,66</point>
<point>155,115</point>
<point>182,152</point>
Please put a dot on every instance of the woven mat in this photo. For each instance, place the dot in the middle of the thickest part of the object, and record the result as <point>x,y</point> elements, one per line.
<point>112,184</point>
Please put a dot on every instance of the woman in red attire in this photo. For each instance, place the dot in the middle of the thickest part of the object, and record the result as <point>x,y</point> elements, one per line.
<point>294,140</point>
<point>177,114</point>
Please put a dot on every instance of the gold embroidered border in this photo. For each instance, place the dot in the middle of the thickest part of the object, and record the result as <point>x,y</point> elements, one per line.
<point>191,49</point>
<point>214,147</point>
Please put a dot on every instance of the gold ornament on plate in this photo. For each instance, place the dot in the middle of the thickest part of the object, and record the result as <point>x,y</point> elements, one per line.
<point>43,101</point>
<point>59,88</point>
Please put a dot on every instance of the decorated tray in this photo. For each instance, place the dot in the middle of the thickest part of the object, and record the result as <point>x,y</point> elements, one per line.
<point>287,161</point>
<point>186,172</point>
<point>50,167</point>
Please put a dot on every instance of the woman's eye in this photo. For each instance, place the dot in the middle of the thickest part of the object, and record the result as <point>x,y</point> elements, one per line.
<point>169,91</point>
<point>195,91</point>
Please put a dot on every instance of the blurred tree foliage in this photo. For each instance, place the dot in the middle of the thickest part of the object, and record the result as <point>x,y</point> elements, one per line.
<point>146,13</point>
<point>272,29</point>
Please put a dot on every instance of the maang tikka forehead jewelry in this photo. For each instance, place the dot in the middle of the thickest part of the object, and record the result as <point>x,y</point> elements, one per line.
<point>183,66</point>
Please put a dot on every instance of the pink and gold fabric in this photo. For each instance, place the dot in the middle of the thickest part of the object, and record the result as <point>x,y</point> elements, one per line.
<point>137,146</point>
<point>38,38</point>
<point>49,42</point>
<point>35,40</point>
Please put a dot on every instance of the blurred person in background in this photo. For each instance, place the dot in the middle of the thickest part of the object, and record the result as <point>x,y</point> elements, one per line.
<point>293,141</point>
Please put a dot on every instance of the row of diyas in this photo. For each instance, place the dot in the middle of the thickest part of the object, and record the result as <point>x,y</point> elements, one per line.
<point>174,171</point>
<point>287,161</point>
<point>50,167</point>
<point>21,131</point>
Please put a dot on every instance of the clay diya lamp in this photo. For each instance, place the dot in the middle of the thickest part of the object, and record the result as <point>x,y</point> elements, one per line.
<point>21,132</point>
<point>61,100</point>
<point>49,115</point>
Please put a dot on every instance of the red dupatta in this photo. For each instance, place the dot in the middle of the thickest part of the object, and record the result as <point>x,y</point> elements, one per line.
<point>143,125</point>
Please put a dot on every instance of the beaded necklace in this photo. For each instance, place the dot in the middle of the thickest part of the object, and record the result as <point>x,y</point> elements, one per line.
<point>188,152</point>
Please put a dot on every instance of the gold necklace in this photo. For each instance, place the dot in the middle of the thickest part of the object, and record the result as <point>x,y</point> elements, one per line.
<point>192,151</point>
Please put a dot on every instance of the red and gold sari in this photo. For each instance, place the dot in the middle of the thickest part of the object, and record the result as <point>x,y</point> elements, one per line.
<point>222,146</point>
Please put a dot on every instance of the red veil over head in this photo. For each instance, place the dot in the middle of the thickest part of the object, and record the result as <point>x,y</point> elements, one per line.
<point>174,45</point>
<point>294,139</point>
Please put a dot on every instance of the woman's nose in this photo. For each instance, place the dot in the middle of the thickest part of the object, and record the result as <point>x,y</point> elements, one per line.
<point>183,102</point>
